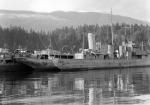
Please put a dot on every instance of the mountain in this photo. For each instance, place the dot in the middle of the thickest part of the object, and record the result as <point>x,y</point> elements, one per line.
<point>58,19</point>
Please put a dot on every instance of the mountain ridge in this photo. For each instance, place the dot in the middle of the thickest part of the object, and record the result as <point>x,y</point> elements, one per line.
<point>49,21</point>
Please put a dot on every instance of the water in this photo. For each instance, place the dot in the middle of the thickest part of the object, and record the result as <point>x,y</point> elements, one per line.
<point>96,87</point>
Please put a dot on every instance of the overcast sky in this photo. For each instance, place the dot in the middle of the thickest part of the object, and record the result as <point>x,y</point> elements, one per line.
<point>139,9</point>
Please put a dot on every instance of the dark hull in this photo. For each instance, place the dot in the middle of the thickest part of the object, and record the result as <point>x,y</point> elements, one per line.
<point>13,67</point>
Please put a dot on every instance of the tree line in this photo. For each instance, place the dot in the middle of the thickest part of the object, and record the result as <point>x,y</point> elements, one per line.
<point>72,37</point>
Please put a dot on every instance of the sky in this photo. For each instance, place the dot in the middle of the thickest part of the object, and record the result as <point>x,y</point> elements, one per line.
<point>139,9</point>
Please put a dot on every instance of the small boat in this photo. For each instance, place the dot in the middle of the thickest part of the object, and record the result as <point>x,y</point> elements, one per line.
<point>39,61</point>
<point>7,63</point>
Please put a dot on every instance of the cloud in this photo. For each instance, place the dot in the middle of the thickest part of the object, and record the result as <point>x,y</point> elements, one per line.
<point>15,4</point>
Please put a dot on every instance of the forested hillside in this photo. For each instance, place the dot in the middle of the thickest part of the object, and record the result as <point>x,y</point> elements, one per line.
<point>15,37</point>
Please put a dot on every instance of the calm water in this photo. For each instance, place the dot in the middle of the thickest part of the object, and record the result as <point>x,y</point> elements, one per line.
<point>97,87</point>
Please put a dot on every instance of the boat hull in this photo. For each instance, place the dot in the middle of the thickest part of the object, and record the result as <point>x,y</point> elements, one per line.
<point>82,64</point>
<point>101,64</point>
<point>13,67</point>
<point>38,64</point>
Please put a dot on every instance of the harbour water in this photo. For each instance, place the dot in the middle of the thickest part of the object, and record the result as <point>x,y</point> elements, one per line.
<point>96,87</point>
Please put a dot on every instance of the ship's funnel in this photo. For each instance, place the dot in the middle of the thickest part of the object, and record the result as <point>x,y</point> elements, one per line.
<point>91,41</point>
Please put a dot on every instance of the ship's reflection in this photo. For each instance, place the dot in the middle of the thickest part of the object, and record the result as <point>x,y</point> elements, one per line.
<point>105,87</point>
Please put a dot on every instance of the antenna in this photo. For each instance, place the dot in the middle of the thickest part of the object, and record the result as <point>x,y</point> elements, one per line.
<point>112,34</point>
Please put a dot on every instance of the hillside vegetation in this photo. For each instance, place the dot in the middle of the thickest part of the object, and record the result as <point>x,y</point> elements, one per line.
<point>15,37</point>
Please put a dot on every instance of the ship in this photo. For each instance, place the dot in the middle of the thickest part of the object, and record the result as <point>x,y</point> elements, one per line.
<point>128,55</point>
<point>97,56</point>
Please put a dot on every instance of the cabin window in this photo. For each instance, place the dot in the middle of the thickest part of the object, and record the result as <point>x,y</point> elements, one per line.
<point>44,57</point>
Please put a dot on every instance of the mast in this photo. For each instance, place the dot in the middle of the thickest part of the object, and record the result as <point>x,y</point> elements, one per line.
<point>50,43</point>
<point>50,46</point>
<point>83,41</point>
<point>112,34</point>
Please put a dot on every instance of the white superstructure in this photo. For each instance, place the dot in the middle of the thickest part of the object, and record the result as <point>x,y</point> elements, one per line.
<point>91,41</point>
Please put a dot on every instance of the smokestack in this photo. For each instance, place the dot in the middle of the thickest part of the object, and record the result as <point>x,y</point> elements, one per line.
<point>91,41</point>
